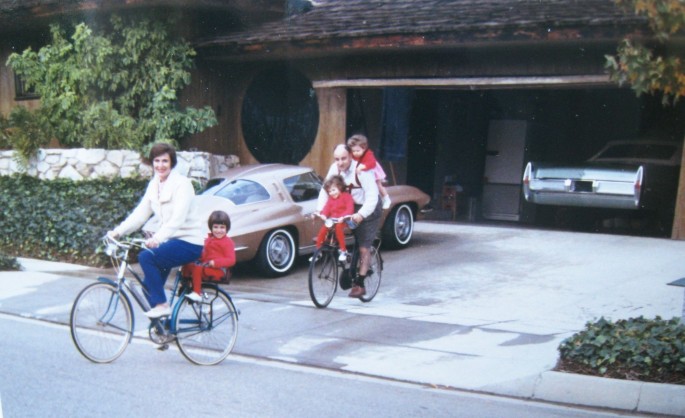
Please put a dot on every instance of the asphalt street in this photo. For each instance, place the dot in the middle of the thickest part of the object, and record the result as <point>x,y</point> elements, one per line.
<point>477,308</point>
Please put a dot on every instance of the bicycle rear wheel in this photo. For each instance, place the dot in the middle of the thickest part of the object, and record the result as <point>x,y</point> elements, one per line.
<point>372,281</point>
<point>323,277</point>
<point>206,331</point>
<point>101,322</point>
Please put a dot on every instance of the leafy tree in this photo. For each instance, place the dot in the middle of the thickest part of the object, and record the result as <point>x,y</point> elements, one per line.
<point>655,67</point>
<point>113,87</point>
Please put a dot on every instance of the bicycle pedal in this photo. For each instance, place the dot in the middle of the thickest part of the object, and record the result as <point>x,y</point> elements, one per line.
<point>163,347</point>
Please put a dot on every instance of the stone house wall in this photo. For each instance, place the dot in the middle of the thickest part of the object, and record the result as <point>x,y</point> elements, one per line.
<point>81,163</point>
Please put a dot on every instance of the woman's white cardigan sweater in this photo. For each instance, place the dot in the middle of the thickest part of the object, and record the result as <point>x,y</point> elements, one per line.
<point>175,214</point>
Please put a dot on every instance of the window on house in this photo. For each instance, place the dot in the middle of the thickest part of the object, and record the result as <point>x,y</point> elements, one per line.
<point>21,91</point>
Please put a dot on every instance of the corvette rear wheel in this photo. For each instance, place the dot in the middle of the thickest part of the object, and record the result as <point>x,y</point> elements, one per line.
<point>276,254</point>
<point>398,227</point>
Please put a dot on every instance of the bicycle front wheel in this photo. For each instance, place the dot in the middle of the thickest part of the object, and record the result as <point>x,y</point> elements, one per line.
<point>101,322</point>
<point>372,281</point>
<point>206,331</point>
<point>323,277</point>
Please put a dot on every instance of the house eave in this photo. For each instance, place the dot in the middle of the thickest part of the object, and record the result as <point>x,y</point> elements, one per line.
<point>223,50</point>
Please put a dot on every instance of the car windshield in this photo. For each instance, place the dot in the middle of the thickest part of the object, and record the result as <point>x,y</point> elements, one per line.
<point>643,151</point>
<point>303,187</point>
<point>240,191</point>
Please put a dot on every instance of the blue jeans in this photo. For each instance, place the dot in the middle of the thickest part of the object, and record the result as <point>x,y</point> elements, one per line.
<point>158,262</point>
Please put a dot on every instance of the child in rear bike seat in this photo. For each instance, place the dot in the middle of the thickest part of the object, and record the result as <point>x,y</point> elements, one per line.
<point>339,204</point>
<point>217,253</point>
<point>359,146</point>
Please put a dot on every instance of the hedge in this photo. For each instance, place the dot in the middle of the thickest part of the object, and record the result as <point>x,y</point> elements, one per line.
<point>63,220</point>
<point>634,349</point>
<point>8,263</point>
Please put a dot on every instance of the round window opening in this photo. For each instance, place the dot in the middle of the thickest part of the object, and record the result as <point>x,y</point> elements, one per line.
<point>280,116</point>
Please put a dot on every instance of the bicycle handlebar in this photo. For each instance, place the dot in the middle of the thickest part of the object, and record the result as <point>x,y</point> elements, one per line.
<point>112,244</point>
<point>329,222</point>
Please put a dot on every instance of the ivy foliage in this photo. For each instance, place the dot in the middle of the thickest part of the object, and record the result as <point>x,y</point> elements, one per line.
<point>636,348</point>
<point>652,69</point>
<point>109,86</point>
<point>8,263</point>
<point>63,220</point>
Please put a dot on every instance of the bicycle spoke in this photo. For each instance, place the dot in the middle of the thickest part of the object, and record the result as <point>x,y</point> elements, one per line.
<point>101,323</point>
<point>207,331</point>
<point>373,279</point>
<point>323,276</point>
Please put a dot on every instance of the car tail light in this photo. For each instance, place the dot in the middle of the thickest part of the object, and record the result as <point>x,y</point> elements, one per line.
<point>526,180</point>
<point>637,186</point>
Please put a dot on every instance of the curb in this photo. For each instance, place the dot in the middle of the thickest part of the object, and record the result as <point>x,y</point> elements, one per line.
<point>601,392</point>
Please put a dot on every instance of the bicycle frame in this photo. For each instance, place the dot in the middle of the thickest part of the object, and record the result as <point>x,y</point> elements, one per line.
<point>102,319</point>
<point>124,285</point>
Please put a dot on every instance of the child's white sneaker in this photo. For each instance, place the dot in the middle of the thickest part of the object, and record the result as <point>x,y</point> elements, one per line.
<point>342,256</point>
<point>386,202</point>
<point>195,297</point>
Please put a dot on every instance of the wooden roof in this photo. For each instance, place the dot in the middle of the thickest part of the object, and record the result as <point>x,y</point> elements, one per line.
<point>22,14</point>
<point>340,25</point>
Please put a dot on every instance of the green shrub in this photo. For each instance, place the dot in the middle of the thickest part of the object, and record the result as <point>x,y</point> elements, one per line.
<point>63,220</point>
<point>635,349</point>
<point>8,263</point>
<point>107,85</point>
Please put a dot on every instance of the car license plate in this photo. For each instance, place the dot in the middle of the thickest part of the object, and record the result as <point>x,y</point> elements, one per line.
<point>582,186</point>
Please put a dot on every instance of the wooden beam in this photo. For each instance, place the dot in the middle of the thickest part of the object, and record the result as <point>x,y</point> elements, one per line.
<point>471,83</point>
<point>332,126</point>
<point>678,231</point>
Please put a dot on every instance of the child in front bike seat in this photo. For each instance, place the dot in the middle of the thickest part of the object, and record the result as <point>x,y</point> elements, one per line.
<point>339,204</point>
<point>217,253</point>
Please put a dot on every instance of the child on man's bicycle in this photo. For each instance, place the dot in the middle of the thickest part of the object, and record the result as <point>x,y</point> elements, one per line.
<point>338,205</point>
<point>218,253</point>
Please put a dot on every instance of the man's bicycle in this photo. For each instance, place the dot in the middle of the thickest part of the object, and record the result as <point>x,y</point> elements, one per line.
<point>326,271</point>
<point>102,321</point>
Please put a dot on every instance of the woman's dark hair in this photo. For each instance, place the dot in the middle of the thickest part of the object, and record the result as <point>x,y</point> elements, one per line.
<point>219,217</point>
<point>162,148</point>
<point>337,181</point>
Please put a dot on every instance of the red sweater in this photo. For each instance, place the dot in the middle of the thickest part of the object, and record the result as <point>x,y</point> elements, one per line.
<point>222,251</point>
<point>368,159</point>
<point>335,208</point>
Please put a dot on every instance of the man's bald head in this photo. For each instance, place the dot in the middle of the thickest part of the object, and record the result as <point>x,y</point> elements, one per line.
<point>342,156</point>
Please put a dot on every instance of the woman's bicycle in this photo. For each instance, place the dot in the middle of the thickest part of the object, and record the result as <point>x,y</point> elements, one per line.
<point>326,271</point>
<point>102,321</point>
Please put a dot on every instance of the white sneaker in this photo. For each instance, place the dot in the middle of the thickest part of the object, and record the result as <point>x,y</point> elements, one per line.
<point>317,258</point>
<point>342,256</point>
<point>158,311</point>
<point>195,297</point>
<point>386,202</point>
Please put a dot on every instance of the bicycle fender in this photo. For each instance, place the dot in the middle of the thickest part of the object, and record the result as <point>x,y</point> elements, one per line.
<point>111,282</point>
<point>107,280</point>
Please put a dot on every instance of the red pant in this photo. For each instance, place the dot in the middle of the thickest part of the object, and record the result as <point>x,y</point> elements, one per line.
<point>339,235</point>
<point>200,272</point>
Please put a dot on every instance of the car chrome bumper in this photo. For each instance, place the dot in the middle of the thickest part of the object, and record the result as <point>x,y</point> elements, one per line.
<point>583,199</point>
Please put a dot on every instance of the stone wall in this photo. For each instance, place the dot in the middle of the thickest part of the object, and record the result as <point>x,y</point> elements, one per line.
<point>81,163</point>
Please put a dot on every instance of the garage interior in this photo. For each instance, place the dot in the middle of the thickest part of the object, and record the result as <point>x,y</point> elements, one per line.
<point>467,147</point>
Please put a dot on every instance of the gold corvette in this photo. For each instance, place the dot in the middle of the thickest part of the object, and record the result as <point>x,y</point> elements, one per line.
<point>270,206</point>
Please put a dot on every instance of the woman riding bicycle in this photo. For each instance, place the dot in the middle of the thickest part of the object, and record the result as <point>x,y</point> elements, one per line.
<point>179,232</point>
<point>368,208</point>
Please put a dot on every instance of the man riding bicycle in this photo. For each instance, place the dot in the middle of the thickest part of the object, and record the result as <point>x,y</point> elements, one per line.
<point>367,205</point>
